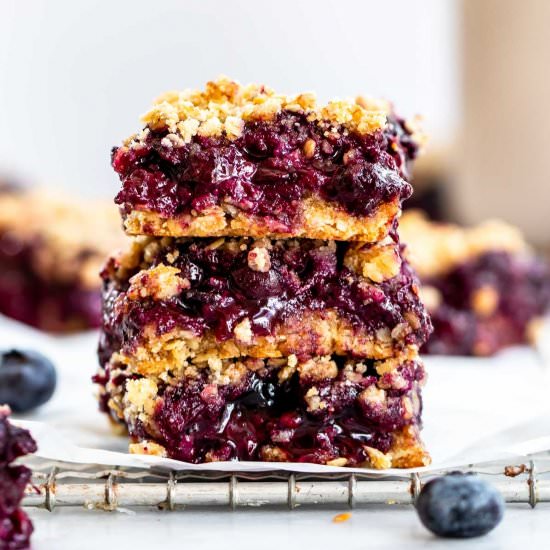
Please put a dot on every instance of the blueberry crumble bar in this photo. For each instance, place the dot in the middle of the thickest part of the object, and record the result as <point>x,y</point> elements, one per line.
<point>485,289</point>
<point>170,301</point>
<point>15,526</point>
<point>328,410</point>
<point>264,310</point>
<point>51,251</point>
<point>235,160</point>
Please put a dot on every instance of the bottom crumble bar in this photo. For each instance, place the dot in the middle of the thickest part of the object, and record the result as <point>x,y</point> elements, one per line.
<point>318,220</point>
<point>327,410</point>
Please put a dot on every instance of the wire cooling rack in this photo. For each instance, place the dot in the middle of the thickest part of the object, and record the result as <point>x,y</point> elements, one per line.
<point>60,485</point>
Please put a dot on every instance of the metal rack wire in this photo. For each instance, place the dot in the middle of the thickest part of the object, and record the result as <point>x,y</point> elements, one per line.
<point>58,485</point>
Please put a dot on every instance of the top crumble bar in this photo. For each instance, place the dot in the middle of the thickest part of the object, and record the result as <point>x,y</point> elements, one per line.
<point>241,161</point>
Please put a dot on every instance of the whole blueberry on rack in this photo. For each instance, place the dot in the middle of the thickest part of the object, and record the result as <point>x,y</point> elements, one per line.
<point>459,506</point>
<point>27,379</point>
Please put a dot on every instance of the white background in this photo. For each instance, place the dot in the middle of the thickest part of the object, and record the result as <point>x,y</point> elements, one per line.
<point>75,75</point>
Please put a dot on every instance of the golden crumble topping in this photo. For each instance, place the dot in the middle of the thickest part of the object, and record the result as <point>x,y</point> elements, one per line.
<point>224,106</point>
<point>300,335</point>
<point>378,459</point>
<point>259,260</point>
<point>377,263</point>
<point>484,300</point>
<point>160,283</point>
<point>407,450</point>
<point>146,447</point>
<point>224,371</point>
<point>320,368</point>
<point>243,331</point>
<point>141,395</point>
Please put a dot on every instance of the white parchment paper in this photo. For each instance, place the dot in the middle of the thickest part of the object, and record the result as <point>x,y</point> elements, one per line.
<point>475,410</point>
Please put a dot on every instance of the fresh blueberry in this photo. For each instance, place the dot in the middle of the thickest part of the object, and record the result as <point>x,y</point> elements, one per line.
<point>27,379</point>
<point>459,506</point>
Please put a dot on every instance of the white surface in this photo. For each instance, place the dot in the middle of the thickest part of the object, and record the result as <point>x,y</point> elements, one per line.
<point>377,528</point>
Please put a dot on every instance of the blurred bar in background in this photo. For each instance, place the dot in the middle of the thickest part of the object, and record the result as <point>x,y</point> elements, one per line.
<point>432,175</point>
<point>52,247</point>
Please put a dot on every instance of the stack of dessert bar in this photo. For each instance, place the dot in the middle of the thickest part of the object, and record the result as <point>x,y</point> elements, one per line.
<point>51,249</point>
<point>264,310</point>
<point>484,287</point>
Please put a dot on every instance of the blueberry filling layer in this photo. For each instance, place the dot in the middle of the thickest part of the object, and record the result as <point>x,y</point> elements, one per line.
<point>30,299</point>
<point>267,171</point>
<point>303,276</point>
<point>299,420</point>
<point>520,286</point>
<point>13,481</point>
<point>15,526</point>
<point>15,442</point>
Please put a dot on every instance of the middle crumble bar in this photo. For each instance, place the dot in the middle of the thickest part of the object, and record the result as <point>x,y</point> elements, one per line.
<point>170,301</point>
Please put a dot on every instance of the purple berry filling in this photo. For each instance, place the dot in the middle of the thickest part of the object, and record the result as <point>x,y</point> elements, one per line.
<point>13,480</point>
<point>224,290</point>
<point>15,531</point>
<point>197,422</point>
<point>265,172</point>
<point>15,526</point>
<point>28,298</point>
<point>523,288</point>
<point>14,442</point>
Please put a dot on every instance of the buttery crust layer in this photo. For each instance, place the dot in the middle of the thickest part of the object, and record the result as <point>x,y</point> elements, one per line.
<point>318,220</point>
<point>407,451</point>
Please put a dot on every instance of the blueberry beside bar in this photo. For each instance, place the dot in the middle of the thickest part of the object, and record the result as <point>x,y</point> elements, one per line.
<point>51,251</point>
<point>484,287</point>
<point>264,310</point>
<point>244,161</point>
